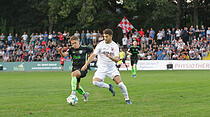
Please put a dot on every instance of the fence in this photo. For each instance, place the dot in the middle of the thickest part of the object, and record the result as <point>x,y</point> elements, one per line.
<point>142,65</point>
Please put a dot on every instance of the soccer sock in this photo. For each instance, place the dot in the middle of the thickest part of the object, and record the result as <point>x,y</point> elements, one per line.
<point>73,92</point>
<point>100,84</point>
<point>126,66</point>
<point>73,85</point>
<point>123,90</point>
<point>81,90</point>
<point>132,70</point>
<point>135,69</point>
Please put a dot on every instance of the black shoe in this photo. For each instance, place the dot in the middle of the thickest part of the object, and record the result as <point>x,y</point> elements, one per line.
<point>128,101</point>
<point>111,89</point>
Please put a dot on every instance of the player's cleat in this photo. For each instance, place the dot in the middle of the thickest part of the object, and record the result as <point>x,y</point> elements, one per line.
<point>86,96</point>
<point>128,101</point>
<point>111,89</point>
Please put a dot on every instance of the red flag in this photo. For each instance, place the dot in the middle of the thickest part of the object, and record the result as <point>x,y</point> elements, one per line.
<point>125,25</point>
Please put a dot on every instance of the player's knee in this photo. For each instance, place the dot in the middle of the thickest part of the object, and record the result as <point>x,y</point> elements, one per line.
<point>95,83</point>
<point>117,79</point>
<point>73,74</point>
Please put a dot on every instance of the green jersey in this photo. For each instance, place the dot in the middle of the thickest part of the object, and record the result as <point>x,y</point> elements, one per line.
<point>79,56</point>
<point>134,51</point>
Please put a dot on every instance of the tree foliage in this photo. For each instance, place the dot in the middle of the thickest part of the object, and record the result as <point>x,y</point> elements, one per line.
<point>59,15</point>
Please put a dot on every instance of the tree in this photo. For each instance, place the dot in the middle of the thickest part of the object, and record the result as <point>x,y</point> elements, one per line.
<point>179,13</point>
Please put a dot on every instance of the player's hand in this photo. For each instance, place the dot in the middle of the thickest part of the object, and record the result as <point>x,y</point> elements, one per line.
<point>107,55</point>
<point>130,53</point>
<point>84,68</point>
<point>60,49</point>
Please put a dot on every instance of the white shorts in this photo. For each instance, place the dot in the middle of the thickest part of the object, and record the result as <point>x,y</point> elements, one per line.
<point>103,74</point>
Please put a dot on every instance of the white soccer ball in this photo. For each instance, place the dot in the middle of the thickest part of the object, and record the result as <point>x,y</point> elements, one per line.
<point>72,100</point>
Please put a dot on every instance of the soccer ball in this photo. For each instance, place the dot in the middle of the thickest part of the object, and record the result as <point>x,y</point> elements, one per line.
<point>72,100</point>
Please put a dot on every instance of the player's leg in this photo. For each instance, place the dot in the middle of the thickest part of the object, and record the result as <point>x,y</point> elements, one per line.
<point>76,83</point>
<point>125,64</point>
<point>135,66</point>
<point>100,83</point>
<point>132,67</point>
<point>98,80</point>
<point>80,90</point>
<point>115,75</point>
<point>123,88</point>
<point>62,65</point>
<point>74,75</point>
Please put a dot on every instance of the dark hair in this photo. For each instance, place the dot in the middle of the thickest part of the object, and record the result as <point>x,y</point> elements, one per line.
<point>108,31</point>
<point>74,38</point>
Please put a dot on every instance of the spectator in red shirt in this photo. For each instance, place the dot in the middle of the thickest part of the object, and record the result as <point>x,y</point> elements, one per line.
<point>61,37</point>
<point>43,50</point>
<point>62,59</point>
<point>48,49</point>
<point>44,43</point>
<point>141,32</point>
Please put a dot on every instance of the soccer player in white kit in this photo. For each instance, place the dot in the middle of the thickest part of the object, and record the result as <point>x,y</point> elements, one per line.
<point>108,55</point>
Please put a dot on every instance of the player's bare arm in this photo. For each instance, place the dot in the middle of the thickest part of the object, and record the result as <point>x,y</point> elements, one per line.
<point>129,53</point>
<point>63,54</point>
<point>115,58</point>
<point>90,59</point>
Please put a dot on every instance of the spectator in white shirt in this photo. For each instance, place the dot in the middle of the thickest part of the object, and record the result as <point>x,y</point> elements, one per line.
<point>24,37</point>
<point>124,41</point>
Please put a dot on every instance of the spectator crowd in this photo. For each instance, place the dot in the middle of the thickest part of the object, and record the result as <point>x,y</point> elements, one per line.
<point>165,44</point>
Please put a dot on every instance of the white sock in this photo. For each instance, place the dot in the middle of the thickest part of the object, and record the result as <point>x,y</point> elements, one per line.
<point>100,84</point>
<point>73,93</point>
<point>123,90</point>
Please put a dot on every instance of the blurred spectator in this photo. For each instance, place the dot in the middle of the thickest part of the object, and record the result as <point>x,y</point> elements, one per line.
<point>125,41</point>
<point>24,37</point>
<point>83,41</point>
<point>179,44</point>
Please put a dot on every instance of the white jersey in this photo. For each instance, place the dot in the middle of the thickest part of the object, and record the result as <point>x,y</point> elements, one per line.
<point>104,63</point>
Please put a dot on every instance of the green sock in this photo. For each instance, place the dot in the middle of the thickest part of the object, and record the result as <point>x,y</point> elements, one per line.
<point>81,90</point>
<point>135,70</point>
<point>74,83</point>
<point>132,71</point>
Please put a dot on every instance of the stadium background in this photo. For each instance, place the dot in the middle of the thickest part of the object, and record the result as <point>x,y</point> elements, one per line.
<point>168,93</point>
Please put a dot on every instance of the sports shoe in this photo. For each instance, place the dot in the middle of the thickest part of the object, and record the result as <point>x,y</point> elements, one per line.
<point>128,101</point>
<point>111,89</point>
<point>86,96</point>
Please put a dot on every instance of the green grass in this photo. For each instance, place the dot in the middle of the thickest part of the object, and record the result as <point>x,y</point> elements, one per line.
<point>153,93</point>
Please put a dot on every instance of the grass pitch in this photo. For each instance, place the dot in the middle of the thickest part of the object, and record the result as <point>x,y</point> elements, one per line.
<point>153,93</point>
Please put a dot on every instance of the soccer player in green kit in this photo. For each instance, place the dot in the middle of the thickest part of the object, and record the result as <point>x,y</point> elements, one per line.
<point>133,51</point>
<point>79,57</point>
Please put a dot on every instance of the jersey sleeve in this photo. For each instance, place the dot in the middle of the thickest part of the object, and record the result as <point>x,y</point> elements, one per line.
<point>139,48</point>
<point>130,50</point>
<point>89,50</point>
<point>97,49</point>
<point>69,51</point>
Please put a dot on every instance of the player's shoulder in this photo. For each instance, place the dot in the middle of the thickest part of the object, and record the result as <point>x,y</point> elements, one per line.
<point>84,47</point>
<point>101,43</point>
<point>69,48</point>
<point>131,47</point>
<point>114,44</point>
